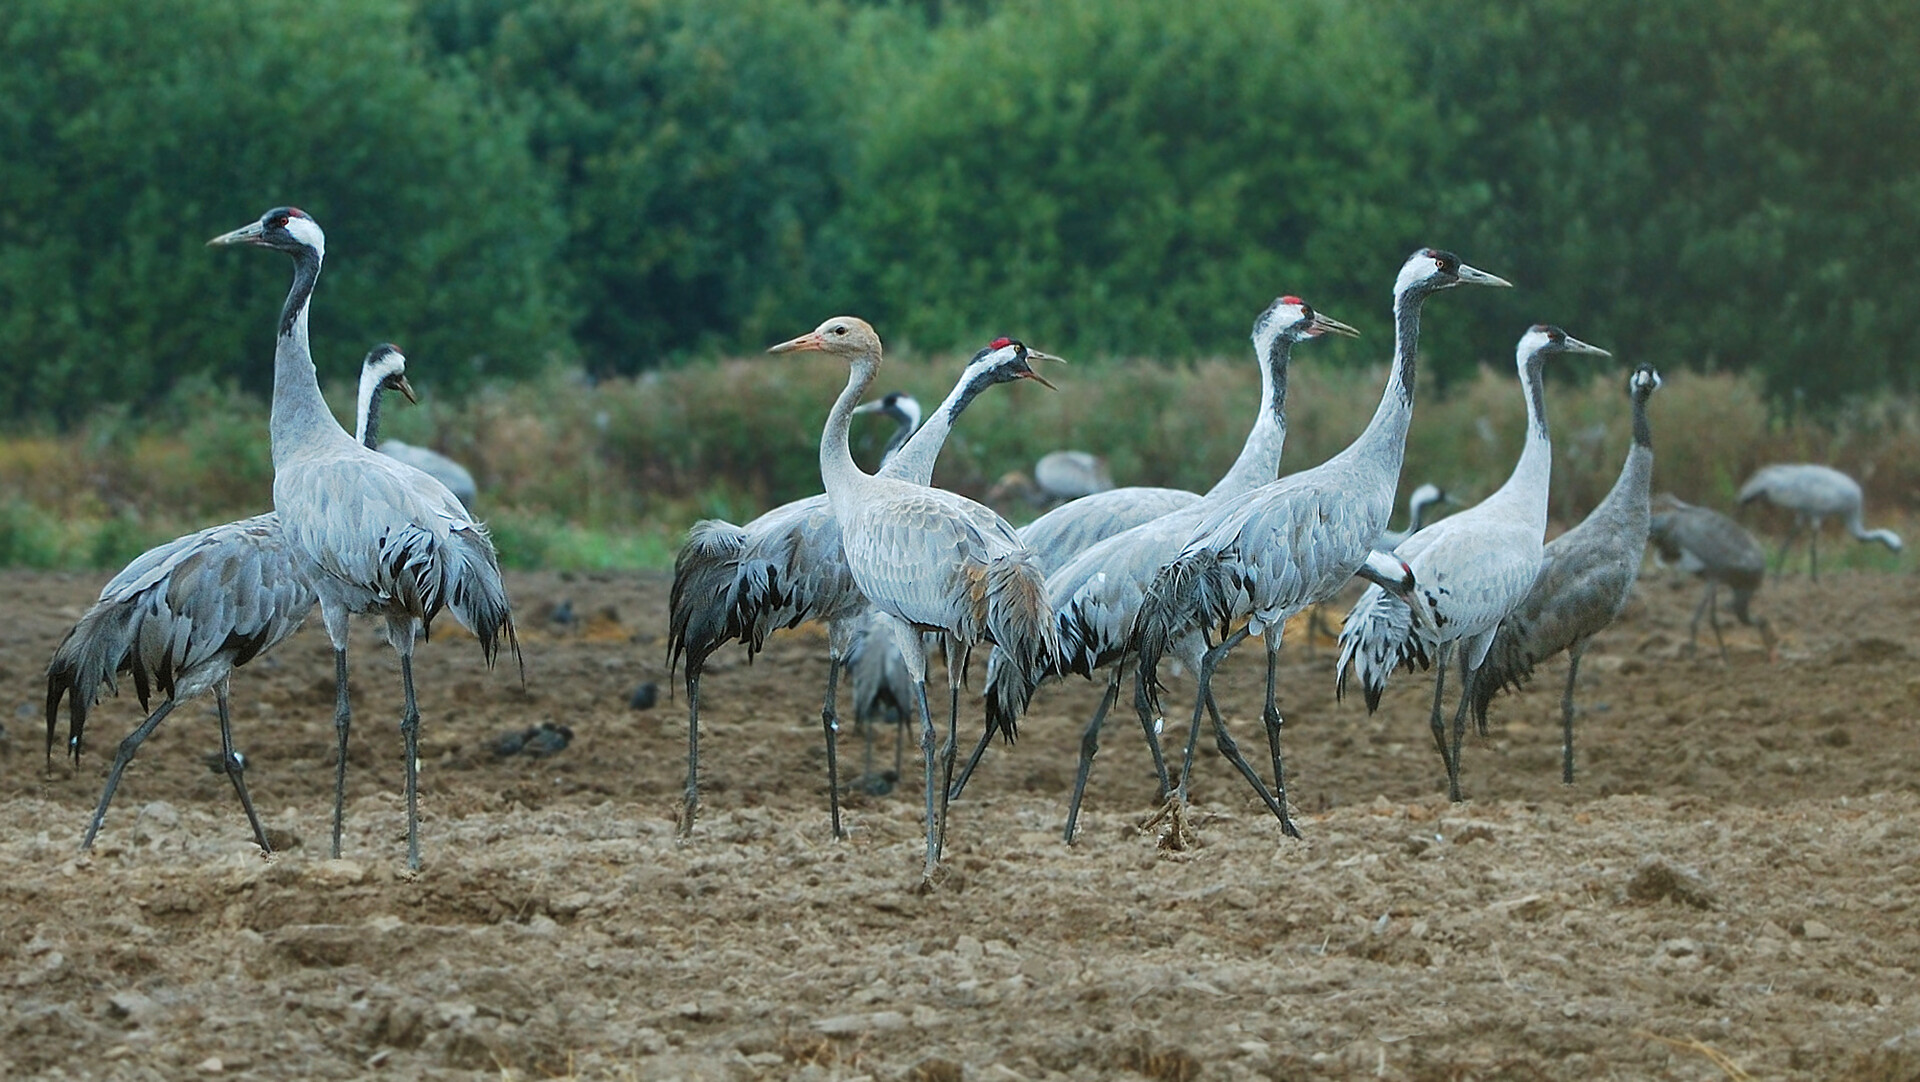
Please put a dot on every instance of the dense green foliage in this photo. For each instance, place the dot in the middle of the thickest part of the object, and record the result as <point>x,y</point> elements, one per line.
<point>615,183</point>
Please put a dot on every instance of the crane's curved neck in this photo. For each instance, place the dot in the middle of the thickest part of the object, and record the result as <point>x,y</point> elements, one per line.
<point>915,460</point>
<point>300,417</point>
<point>1534,472</point>
<point>366,426</point>
<point>1385,440</point>
<point>838,471</point>
<point>1632,491</point>
<point>1259,458</point>
<point>900,433</point>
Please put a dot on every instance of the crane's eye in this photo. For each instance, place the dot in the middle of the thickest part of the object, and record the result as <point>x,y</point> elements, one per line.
<point>839,330</point>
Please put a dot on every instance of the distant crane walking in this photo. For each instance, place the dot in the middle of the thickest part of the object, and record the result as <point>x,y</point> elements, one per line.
<point>1586,578</point>
<point>1293,542</point>
<point>386,539</point>
<point>1472,568</point>
<point>1813,493</point>
<point>1708,544</point>
<point>183,615</point>
<point>930,559</point>
<point>787,566</point>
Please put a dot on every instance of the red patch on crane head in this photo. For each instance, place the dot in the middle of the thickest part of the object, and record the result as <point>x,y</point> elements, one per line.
<point>1293,300</point>
<point>1000,343</point>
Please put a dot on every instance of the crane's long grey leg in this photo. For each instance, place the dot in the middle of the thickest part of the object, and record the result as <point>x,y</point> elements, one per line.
<point>120,760</point>
<point>1780,562</point>
<point>1813,551</point>
<point>830,729</point>
<point>914,651</point>
<point>1713,620</point>
<point>410,732</point>
<point>1150,725</point>
<point>1089,747</point>
<point>1566,711</point>
<point>235,769</point>
<point>691,804</point>
<point>966,772</point>
<point>1270,710</point>
<point>1438,722</point>
<point>1693,629</point>
<point>342,721</point>
<point>956,675</point>
<point>1468,674</point>
<point>1203,701</point>
<point>1223,740</point>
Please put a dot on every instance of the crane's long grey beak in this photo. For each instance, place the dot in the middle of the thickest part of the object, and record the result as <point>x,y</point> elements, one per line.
<point>400,384</point>
<point>246,234</point>
<point>865,407</point>
<point>1036,355</point>
<point>808,341</point>
<point>1328,325</point>
<point>1477,277</point>
<point>1574,345</point>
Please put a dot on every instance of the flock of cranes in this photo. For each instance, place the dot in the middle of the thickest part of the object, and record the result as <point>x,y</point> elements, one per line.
<point>1118,579</point>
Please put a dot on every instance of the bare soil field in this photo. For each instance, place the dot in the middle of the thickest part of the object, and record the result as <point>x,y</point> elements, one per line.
<point>1730,890</point>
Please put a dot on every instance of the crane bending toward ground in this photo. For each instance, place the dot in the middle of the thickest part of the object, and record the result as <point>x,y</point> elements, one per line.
<point>788,566</point>
<point>182,616</point>
<point>1586,578</point>
<point>1095,595</point>
<point>1472,569</point>
<point>1293,542</point>
<point>932,560</point>
<point>385,539</point>
<point>1708,544</point>
<point>1814,494</point>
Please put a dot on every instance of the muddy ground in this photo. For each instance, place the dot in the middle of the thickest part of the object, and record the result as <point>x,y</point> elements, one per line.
<point>1731,886</point>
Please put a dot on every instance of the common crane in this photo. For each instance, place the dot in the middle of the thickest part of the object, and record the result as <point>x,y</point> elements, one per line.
<point>930,559</point>
<point>1586,578</point>
<point>1472,568</point>
<point>1813,493</point>
<point>386,539</point>
<point>1708,544</point>
<point>1292,542</point>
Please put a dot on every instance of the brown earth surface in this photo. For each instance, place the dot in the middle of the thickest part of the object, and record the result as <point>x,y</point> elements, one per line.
<point>1729,890</point>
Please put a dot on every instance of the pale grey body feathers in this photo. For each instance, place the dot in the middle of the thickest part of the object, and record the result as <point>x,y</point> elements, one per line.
<point>1708,544</point>
<point>1814,493</point>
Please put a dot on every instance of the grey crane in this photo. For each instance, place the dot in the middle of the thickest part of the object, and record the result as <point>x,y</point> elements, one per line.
<point>1586,578</point>
<point>1708,544</point>
<point>788,566</point>
<point>183,615</point>
<point>1472,568</point>
<point>1094,595</point>
<point>1293,542</point>
<point>386,539</point>
<point>932,560</point>
<point>1069,475</point>
<point>1814,494</point>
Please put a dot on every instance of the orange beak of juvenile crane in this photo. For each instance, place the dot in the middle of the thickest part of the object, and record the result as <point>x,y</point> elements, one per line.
<point>808,341</point>
<point>1036,355</point>
<point>1328,325</point>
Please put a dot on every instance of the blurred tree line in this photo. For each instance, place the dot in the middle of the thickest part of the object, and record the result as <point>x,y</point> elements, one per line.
<point>616,184</point>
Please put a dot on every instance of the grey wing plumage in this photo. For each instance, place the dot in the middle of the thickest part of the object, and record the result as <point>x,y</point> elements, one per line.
<point>1056,537</point>
<point>793,568</point>
<point>458,479</point>
<point>180,616</point>
<point>881,684</point>
<point>1376,638</point>
<point>700,610</point>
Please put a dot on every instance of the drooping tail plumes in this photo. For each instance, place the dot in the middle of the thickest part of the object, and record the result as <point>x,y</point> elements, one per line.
<point>1376,638</point>
<point>1193,592</point>
<point>477,594</point>
<point>87,660</point>
<point>701,613</point>
<point>1021,624</point>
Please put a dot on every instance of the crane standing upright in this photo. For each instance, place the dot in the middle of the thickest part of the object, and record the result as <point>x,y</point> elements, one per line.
<point>1586,578</point>
<point>1472,568</point>
<point>930,559</point>
<point>384,538</point>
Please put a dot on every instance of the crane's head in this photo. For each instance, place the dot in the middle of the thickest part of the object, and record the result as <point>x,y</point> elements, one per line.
<point>847,337</point>
<point>1431,269</point>
<point>1542,339</point>
<point>1293,319</point>
<point>386,369</point>
<point>1643,382</point>
<point>288,229</point>
<point>898,405</point>
<point>1005,360</point>
<point>1427,495</point>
